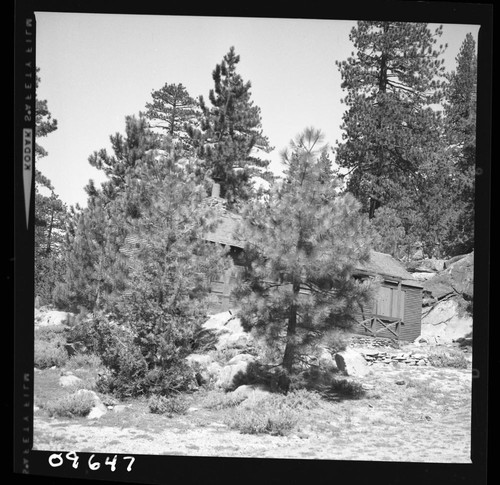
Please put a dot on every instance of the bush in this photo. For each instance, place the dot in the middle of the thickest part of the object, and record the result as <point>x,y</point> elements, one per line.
<point>302,399</point>
<point>313,379</point>
<point>50,348</point>
<point>448,358</point>
<point>220,400</point>
<point>49,354</point>
<point>74,405</point>
<point>51,333</point>
<point>168,405</point>
<point>277,422</point>
<point>276,415</point>
<point>268,416</point>
<point>86,361</point>
<point>131,378</point>
<point>347,388</point>
<point>257,373</point>
<point>337,340</point>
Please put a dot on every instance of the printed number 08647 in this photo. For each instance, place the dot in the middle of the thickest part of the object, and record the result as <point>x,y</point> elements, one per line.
<point>56,460</point>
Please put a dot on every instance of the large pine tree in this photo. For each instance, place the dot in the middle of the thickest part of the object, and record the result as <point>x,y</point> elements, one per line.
<point>460,126</point>
<point>174,112</point>
<point>303,243</point>
<point>95,233</point>
<point>231,131</point>
<point>50,213</point>
<point>390,128</point>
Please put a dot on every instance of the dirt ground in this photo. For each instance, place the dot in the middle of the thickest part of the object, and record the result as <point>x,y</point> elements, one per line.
<point>413,414</point>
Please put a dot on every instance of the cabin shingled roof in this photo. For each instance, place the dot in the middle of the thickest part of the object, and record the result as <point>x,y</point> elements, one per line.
<point>379,263</point>
<point>224,231</point>
<point>385,265</point>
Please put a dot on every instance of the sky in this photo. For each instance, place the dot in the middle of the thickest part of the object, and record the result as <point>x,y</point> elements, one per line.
<point>96,69</point>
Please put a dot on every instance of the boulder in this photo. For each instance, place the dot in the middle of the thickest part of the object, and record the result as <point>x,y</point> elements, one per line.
<point>437,288</point>
<point>444,323</point>
<point>99,408</point>
<point>457,278</point>
<point>213,371</point>
<point>228,331</point>
<point>453,260</point>
<point>229,372</point>
<point>199,360</point>
<point>351,363</point>
<point>422,276</point>
<point>420,340</point>
<point>432,265</point>
<point>252,393</point>
<point>220,321</point>
<point>241,358</point>
<point>69,380</point>
<point>51,317</point>
<point>462,275</point>
<point>325,359</point>
<point>237,340</point>
<point>97,412</point>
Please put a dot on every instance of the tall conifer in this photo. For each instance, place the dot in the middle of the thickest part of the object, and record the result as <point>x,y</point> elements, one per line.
<point>303,243</point>
<point>230,133</point>
<point>390,127</point>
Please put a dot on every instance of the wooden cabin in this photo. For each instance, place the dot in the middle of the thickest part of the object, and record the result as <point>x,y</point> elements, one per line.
<point>397,309</point>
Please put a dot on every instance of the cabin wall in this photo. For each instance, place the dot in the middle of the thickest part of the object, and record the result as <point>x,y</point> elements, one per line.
<point>410,306</point>
<point>223,285</point>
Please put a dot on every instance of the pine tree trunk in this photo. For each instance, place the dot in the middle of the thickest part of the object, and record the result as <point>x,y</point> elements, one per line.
<point>49,235</point>
<point>291,332</point>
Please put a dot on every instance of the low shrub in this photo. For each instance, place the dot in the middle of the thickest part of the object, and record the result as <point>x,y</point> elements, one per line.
<point>257,373</point>
<point>220,400</point>
<point>84,361</point>
<point>74,405</point>
<point>51,333</point>
<point>277,422</point>
<point>138,363</point>
<point>223,356</point>
<point>337,340</point>
<point>347,389</point>
<point>313,379</point>
<point>447,358</point>
<point>277,414</point>
<point>49,354</point>
<point>168,405</point>
<point>302,399</point>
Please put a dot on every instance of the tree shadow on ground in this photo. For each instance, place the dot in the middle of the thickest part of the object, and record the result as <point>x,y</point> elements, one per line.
<point>330,383</point>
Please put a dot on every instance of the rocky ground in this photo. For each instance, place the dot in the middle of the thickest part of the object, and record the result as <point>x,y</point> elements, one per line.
<point>416,406</point>
<point>408,414</point>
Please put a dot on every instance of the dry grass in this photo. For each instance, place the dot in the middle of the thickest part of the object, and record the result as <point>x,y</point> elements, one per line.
<point>426,411</point>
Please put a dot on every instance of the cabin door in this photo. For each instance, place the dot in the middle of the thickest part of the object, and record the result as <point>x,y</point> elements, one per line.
<point>390,301</point>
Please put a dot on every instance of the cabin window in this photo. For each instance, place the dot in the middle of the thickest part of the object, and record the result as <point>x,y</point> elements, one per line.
<point>390,301</point>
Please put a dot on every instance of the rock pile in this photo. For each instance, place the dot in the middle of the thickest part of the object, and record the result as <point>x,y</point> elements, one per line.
<point>373,342</point>
<point>407,358</point>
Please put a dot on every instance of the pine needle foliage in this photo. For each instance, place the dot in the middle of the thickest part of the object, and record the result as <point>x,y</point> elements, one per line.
<point>303,243</point>
<point>231,130</point>
<point>390,128</point>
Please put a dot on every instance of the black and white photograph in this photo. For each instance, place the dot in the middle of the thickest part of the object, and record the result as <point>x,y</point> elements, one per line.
<point>254,237</point>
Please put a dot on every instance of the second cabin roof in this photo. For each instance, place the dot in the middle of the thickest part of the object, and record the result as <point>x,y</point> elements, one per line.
<point>381,264</point>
